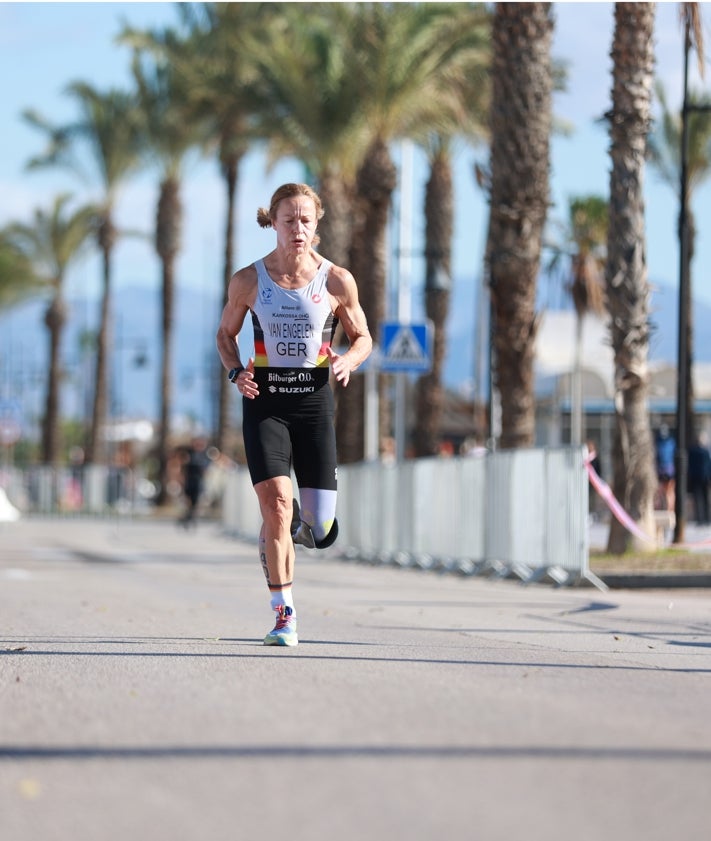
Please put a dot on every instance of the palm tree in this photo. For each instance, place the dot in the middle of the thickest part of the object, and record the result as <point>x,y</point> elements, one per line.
<point>466,87</point>
<point>402,54</point>
<point>439,228</point>
<point>377,178</point>
<point>107,125</point>
<point>626,269</point>
<point>51,243</point>
<point>520,134</point>
<point>170,132</point>
<point>583,247</point>
<point>308,104</point>
<point>215,66</point>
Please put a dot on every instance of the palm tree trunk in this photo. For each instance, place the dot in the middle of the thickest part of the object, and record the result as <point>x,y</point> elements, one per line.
<point>230,171</point>
<point>168,229</point>
<point>55,319</point>
<point>96,450</point>
<point>165,378</point>
<point>576,414</point>
<point>439,224</point>
<point>335,229</point>
<point>520,135</point>
<point>375,184</point>
<point>335,232</point>
<point>626,269</point>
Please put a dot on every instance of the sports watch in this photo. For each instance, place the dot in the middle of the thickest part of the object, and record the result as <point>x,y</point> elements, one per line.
<point>234,373</point>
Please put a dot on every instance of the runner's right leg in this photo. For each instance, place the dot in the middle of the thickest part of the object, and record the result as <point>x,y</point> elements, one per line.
<point>276,549</point>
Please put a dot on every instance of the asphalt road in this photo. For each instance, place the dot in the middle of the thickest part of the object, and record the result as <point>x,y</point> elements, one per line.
<point>137,701</point>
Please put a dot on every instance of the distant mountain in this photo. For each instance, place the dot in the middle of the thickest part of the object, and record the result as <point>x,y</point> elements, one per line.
<point>135,361</point>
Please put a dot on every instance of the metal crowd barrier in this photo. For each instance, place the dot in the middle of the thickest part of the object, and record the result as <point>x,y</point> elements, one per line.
<point>93,490</point>
<point>516,513</point>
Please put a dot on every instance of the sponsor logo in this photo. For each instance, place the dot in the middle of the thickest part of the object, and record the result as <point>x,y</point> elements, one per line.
<point>291,377</point>
<point>298,316</point>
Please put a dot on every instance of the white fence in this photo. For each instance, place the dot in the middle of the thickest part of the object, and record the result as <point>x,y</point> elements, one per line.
<point>521,513</point>
<point>92,489</point>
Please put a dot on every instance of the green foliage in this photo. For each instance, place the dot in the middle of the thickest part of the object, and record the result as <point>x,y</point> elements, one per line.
<point>108,127</point>
<point>18,275</point>
<point>54,238</point>
<point>27,452</point>
<point>583,234</point>
<point>664,143</point>
<point>589,220</point>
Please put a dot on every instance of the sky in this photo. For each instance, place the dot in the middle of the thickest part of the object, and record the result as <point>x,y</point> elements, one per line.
<point>45,46</point>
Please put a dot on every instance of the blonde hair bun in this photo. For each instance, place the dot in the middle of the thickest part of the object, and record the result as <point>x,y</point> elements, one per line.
<point>263,218</point>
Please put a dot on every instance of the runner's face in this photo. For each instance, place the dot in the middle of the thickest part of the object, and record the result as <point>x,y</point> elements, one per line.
<point>295,224</point>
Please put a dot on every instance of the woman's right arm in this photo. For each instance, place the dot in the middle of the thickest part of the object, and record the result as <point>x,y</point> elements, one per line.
<point>240,297</point>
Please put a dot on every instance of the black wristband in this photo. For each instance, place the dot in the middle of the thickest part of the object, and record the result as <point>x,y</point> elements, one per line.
<point>234,373</point>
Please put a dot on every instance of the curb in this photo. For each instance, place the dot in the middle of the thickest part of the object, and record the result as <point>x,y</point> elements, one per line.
<point>656,580</point>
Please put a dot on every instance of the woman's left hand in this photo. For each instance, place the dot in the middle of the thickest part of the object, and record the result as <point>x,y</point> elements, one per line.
<point>340,367</point>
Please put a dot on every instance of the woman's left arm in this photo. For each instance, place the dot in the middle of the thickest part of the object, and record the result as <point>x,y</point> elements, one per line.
<point>343,289</point>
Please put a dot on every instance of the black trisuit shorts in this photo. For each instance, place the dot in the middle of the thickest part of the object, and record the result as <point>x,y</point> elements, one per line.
<point>285,430</point>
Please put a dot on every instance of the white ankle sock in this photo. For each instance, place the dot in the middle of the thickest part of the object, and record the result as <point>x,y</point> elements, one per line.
<point>282,597</point>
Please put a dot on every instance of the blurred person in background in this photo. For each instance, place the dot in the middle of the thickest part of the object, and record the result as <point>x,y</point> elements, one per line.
<point>699,478</point>
<point>195,464</point>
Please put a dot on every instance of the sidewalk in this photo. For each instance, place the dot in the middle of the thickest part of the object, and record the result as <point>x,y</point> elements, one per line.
<point>697,539</point>
<point>137,701</point>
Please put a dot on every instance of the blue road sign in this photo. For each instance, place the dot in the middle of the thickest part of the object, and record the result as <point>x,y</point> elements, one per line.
<point>406,347</point>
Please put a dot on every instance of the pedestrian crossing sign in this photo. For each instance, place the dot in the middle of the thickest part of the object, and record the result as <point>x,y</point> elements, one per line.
<point>406,347</point>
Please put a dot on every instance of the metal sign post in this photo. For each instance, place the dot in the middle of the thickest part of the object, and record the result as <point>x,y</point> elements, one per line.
<point>407,348</point>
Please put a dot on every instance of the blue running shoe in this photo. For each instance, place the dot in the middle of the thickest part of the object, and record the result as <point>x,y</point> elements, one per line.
<point>284,632</point>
